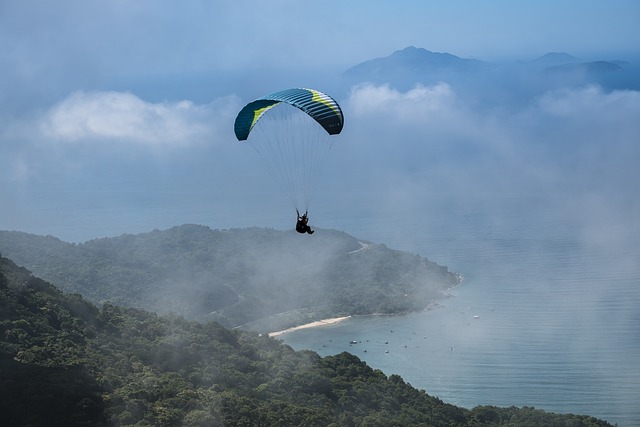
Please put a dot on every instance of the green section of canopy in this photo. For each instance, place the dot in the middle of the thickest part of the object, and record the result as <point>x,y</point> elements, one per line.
<point>319,106</point>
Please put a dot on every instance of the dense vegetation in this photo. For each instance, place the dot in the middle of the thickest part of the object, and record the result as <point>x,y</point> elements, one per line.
<point>66,362</point>
<point>236,276</point>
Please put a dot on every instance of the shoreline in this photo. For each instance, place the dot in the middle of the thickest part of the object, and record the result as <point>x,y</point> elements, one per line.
<point>433,305</point>
<point>315,324</point>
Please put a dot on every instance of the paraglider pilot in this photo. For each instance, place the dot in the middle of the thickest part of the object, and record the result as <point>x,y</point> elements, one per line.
<point>302,225</point>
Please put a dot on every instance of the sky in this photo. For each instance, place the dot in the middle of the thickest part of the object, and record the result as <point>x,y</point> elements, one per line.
<point>117,116</point>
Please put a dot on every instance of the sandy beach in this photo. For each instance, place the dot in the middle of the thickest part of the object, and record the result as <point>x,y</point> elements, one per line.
<point>310,325</point>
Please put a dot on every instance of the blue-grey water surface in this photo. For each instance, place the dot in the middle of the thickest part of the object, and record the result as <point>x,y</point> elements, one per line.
<point>547,316</point>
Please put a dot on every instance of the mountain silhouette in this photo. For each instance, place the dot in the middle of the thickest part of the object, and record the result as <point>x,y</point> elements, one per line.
<point>490,84</point>
<point>554,58</point>
<point>412,63</point>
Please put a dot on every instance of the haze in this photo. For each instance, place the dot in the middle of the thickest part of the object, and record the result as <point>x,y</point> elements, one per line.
<point>117,117</point>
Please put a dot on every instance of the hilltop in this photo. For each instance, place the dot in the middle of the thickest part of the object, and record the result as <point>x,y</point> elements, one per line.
<point>255,278</point>
<point>412,61</point>
<point>423,64</point>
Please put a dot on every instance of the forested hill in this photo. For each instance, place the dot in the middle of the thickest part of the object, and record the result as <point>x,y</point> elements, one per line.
<point>272,278</point>
<point>65,362</point>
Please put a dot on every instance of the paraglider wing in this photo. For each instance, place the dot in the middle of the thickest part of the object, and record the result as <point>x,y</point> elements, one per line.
<point>319,106</point>
<point>292,130</point>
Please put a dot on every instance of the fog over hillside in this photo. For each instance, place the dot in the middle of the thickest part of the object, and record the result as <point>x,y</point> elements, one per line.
<point>256,278</point>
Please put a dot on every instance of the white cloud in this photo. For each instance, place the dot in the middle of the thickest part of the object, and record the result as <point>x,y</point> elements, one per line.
<point>425,121</point>
<point>569,141</point>
<point>589,100</point>
<point>123,117</point>
<point>592,114</point>
<point>436,115</point>
<point>416,103</point>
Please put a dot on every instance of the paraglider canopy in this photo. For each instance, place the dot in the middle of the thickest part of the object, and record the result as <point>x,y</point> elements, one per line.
<point>292,131</point>
<point>319,106</point>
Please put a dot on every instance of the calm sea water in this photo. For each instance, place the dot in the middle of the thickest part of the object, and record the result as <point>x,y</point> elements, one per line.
<point>548,315</point>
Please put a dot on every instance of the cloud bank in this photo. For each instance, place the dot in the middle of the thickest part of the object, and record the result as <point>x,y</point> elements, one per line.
<point>428,150</point>
<point>125,118</point>
<point>400,151</point>
<point>571,130</point>
<point>419,103</point>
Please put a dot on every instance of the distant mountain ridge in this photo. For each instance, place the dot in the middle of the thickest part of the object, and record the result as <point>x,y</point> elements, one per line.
<point>555,58</point>
<point>274,279</point>
<point>407,67</point>
<point>415,59</point>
